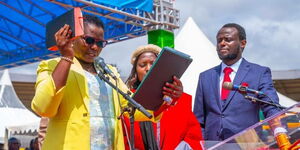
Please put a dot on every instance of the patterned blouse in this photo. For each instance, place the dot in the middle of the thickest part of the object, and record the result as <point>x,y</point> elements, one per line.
<point>102,122</point>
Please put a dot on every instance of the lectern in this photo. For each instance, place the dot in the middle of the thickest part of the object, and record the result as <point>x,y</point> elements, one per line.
<point>261,137</point>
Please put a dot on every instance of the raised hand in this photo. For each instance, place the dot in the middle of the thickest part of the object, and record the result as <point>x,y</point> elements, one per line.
<point>64,42</point>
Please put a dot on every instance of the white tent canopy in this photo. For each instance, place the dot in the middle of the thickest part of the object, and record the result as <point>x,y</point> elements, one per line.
<point>24,129</point>
<point>285,101</point>
<point>12,111</point>
<point>191,40</point>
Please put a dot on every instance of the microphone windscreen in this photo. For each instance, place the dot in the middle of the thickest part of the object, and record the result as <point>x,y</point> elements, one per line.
<point>227,85</point>
<point>98,63</point>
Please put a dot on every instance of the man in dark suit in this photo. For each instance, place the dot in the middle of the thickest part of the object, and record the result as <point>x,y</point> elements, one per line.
<point>223,113</point>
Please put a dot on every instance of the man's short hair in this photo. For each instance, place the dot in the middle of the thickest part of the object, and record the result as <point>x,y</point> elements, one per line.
<point>12,139</point>
<point>241,30</point>
<point>92,19</point>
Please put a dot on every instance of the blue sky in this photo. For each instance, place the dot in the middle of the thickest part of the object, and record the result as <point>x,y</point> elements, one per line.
<point>272,28</point>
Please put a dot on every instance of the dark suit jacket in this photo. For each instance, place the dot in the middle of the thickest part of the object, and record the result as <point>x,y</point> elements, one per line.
<point>222,119</point>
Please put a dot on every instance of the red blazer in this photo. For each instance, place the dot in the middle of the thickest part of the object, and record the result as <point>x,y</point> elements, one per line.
<point>177,124</point>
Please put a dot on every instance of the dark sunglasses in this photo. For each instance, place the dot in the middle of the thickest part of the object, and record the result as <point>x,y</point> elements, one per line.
<point>90,41</point>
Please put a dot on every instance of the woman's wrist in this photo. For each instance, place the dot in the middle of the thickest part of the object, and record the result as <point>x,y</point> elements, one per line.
<point>67,58</point>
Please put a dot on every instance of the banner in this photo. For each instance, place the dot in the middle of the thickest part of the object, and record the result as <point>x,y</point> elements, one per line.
<point>146,5</point>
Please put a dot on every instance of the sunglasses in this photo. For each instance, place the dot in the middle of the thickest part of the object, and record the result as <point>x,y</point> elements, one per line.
<point>90,41</point>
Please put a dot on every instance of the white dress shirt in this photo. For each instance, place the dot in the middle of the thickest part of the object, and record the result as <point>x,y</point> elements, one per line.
<point>234,67</point>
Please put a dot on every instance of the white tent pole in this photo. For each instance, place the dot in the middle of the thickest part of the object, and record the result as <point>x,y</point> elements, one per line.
<point>6,139</point>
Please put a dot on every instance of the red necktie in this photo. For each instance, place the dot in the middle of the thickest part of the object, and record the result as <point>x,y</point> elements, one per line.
<point>225,92</point>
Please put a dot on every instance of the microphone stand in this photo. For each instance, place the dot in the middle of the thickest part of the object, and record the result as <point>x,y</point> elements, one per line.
<point>131,118</point>
<point>126,96</point>
<point>254,99</point>
<point>132,106</point>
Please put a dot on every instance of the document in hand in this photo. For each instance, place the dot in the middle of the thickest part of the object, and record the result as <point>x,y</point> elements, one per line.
<point>169,63</point>
<point>73,18</point>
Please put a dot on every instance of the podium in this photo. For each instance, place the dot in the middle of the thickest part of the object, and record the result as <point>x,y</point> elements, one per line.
<point>260,136</point>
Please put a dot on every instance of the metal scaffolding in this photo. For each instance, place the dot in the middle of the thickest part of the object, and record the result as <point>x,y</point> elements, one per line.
<point>22,25</point>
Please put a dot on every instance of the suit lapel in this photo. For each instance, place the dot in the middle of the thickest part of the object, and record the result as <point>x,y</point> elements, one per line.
<point>239,77</point>
<point>215,81</point>
<point>79,74</point>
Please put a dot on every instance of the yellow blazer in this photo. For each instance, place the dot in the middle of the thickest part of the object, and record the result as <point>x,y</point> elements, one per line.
<point>68,108</point>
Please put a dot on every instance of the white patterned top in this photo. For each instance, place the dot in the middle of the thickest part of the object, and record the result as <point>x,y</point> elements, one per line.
<point>102,122</point>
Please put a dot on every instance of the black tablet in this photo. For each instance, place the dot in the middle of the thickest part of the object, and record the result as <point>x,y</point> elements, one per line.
<point>169,63</point>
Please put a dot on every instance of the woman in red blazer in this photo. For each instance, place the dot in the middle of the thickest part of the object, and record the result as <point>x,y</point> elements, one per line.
<point>178,127</point>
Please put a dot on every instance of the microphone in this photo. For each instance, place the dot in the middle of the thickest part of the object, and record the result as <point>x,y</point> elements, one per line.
<point>241,88</point>
<point>282,138</point>
<point>280,132</point>
<point>99,63</point>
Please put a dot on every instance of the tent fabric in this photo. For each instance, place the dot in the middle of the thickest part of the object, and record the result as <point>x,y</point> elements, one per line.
<point>146,5</point>
<point>12,111</point>
<point>285,101</point>
<point>25,129</point>
<point>7,93</point>
<point>191,40</point>
<point>23,25</point>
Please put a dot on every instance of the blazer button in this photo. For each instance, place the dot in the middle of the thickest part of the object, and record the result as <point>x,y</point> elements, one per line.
<point>85,115</point>
<point>223,116</point>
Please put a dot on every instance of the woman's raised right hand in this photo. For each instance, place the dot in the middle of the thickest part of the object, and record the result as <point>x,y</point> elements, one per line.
<point>64,42</point>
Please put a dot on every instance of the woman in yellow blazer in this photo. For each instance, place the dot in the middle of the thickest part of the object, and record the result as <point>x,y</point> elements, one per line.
<point>63,93</point>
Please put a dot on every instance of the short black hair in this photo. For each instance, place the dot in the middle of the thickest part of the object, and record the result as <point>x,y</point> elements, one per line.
<point>92,19</point>
<point>13,139</point>
<point>241,30</point>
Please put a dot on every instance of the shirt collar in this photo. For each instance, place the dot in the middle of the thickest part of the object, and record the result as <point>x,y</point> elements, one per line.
<point>234,67</point>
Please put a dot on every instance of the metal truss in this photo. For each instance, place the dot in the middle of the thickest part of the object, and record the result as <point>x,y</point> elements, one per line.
<point>22,26</point>
<point>22,36</point>
<point>127,23</point>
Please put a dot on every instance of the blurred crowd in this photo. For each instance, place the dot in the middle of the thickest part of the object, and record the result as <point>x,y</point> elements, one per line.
<point>15,144</point>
